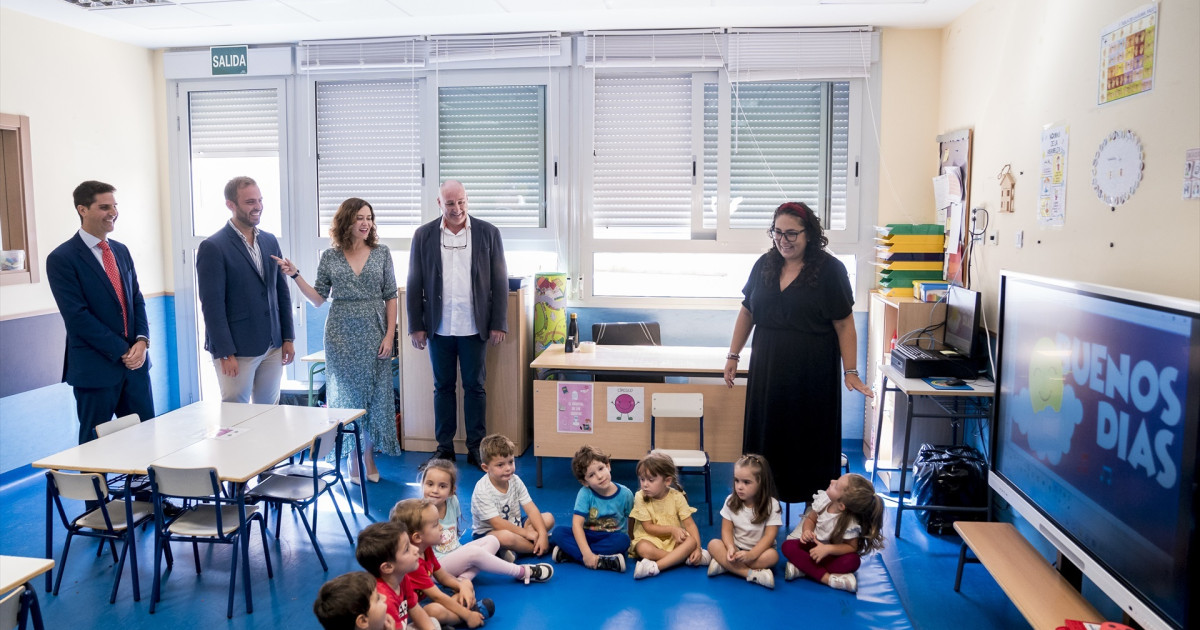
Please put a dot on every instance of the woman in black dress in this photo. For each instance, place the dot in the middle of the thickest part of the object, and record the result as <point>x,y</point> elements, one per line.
<point>799,302</point>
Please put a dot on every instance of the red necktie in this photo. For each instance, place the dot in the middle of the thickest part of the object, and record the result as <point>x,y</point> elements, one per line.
<point>110,268</point>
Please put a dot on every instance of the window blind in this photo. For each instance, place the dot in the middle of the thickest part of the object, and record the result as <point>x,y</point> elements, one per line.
<point>493,140</point>
<point>234,122</point>
<point>758,55</point>
<point>779,131</point>
<point>642,142</point>
<point>369,146</point>
<point>683,49</point>
<point>451,48</point>
<point>365,54</point>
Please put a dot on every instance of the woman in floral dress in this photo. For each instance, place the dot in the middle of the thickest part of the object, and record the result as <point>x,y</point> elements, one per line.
<point>357,277</point>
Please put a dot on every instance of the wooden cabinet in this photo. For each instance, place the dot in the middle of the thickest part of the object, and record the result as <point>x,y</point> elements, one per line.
<point>894,317</point>
<point>509,393</point>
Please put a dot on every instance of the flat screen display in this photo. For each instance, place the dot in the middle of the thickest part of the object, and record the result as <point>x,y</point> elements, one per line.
<point>962,319</point>
<point>1096,413</point>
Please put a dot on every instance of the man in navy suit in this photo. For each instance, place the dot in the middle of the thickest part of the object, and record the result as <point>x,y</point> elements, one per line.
<point>96,288</point>
<point>457,300</point>
<point>245,301</point>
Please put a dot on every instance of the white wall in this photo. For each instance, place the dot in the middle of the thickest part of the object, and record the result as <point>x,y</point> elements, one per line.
<point>1009,67</point>
<point>96,112</point>
<point>910,65</point>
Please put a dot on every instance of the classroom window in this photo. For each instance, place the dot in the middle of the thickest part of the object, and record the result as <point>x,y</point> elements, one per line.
<point>493,139</point>
<point>19,260</point>
<point>369,146</point>
<point>233,133</point>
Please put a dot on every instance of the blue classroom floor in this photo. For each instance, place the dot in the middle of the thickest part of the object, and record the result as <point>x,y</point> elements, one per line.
<point>909,584</point>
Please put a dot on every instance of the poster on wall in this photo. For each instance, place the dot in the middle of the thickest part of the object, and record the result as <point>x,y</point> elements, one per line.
<point>574,407</point>
<point>1127,55</point>
<point>1052,193</point>
<point>1191,175</point>
<point>625,404</point>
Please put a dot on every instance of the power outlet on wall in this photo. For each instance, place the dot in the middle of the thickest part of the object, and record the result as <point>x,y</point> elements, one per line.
<point>993,237</point>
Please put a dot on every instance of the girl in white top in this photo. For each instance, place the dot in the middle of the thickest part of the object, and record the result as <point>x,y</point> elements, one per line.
<point>439,483</point>
<point>750,520</point>
<point>843,523</point>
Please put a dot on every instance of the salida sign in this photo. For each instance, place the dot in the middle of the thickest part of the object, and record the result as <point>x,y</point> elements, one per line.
<point>228,59</point>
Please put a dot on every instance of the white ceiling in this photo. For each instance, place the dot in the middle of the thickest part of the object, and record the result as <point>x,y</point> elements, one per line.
<point>187,23</point>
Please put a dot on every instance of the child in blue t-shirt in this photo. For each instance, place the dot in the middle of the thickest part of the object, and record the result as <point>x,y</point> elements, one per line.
<point>598,536</point>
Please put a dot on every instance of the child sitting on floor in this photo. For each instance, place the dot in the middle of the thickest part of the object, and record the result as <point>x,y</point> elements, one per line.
<point>843,523</point>
<point>385,552</point>
<point>352,601</point>
<point>439,483</point>
<point>664,533</point>
<point>500,496</point>
<point>750,520</point>
<point>421,518</point>
<point>597,536</point>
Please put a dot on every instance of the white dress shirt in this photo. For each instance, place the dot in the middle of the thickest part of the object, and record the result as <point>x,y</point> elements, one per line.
<point>458,319</point>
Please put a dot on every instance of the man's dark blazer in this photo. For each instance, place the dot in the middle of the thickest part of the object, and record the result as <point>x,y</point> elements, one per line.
<point>96,338</point>
<point>489,279</point>
<point>244,315</point>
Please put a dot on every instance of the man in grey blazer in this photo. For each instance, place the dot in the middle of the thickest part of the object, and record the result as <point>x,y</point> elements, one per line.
<point>457,301</point>
<point>245,301</point>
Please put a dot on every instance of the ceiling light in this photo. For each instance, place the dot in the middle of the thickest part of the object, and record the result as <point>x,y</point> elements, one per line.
<point>116,4</point>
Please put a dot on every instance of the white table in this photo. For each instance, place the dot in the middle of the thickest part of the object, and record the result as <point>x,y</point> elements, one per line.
<point>260,437</point>
<point>17,572</point>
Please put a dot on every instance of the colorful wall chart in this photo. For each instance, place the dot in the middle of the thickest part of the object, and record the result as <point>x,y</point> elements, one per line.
<point>1052,192</point>
<point>1127,55</point>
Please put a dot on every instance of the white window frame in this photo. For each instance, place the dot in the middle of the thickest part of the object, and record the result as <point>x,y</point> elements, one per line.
<point>724,240</point>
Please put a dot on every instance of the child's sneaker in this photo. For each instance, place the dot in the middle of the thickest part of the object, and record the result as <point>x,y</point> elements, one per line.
<point>715,568</point>
<point>538,572</point>
<point>615,562</point>
<point>705,559</point>
<point>507,555</point>
<point>763,577</point>
<point>558,555</point>
<point>790,572</point>
<point>485,607</point>
<point>843,581</point>
<point>645,568</point>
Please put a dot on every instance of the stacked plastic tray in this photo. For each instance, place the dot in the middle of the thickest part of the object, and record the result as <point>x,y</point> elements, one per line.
<point>907,252</point>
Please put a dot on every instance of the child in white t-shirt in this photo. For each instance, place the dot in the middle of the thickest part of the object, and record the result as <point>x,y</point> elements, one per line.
<point>843,523</point>
<point>750,520</point>
<point>499,497</point>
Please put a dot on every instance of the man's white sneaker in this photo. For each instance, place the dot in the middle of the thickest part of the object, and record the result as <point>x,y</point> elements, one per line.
<point>763,577</point>
<point>843,581</point>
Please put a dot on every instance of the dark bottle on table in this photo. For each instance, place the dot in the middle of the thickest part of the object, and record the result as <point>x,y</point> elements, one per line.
<point>572,334</point>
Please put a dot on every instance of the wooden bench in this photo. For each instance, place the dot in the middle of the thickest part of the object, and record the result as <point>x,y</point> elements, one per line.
<point>1037,589</point>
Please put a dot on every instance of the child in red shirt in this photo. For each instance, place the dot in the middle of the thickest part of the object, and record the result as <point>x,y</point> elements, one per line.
<point>385,551</point>
<point>420,516</point>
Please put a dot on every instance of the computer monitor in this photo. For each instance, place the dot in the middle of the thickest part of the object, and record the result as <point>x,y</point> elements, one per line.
<point>962,320</point>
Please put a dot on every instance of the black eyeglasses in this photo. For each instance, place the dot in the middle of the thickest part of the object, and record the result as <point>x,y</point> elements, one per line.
<point>453,247</point>
<point>789,236</point>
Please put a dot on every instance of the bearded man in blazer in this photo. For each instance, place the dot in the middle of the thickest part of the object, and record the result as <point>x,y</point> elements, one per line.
<point>457,301</point>
<point>245,301</point>
<point>96,289</point>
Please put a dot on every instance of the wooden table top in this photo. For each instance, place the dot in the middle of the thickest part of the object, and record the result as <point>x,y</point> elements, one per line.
<point>680,360</point>
<point>17,570</point>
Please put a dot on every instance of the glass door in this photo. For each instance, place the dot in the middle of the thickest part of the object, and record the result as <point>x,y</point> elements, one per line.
<point>224,129</point>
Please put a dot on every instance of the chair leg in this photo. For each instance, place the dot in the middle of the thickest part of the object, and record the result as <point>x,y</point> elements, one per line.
<point>133,567</point>
<point>233,567</point>
<point>313,537</point>
<point>62,564</point>
<point>346,493</point>
<point>262,530</point>
<point>112,599</point>
<point>159,545</point>
<point>196,556</point>
<point>112,546</point>
<point>708,492</point>
<point>278,516</point>
<point>339,515</point>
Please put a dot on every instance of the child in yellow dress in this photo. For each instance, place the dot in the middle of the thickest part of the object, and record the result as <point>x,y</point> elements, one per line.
<point>664,533</point>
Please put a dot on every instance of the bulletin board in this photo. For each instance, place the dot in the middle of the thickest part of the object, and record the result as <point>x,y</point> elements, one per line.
<point>954,159</point>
